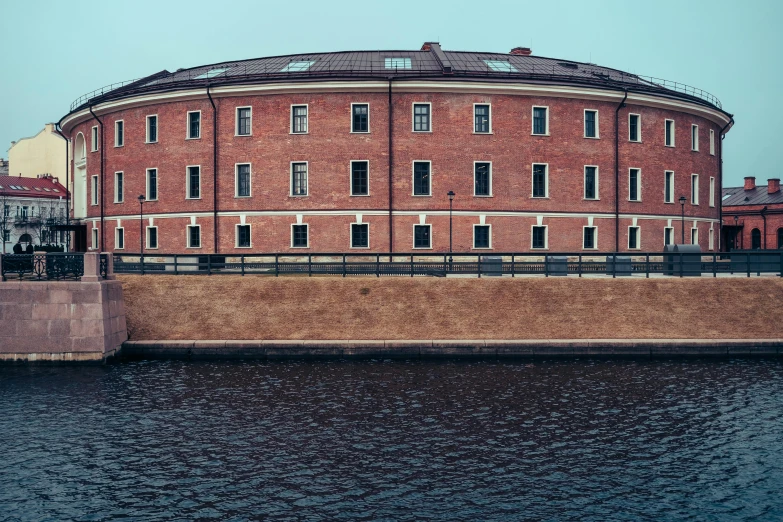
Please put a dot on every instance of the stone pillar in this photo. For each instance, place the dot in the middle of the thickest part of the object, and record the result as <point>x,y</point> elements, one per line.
<point>109,266</point>
<point>92,268</point>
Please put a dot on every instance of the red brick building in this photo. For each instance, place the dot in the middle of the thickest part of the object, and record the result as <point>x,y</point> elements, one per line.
<point>358,151</point>
<point>753,216</point>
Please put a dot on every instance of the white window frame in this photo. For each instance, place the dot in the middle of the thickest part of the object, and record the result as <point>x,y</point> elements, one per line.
<point>413,237</point>
<point>413,117</point>
<point>368,118</point>
<point>490,118</point>
<point>474,247</point>
<point>94,143</point>
<point>711,244</point>
<point>350,234</point>
<point>350,176</point>
<point>187,182</point>
<point>664,235</point>
<point>694,137</point>
<point>595,237</point>
<point>147,128</point>
<point>712,191</point>
<point>147,184</point>
<point>236,121</point>
<point>665,180</point>
<point>236,179</point>
<point>94,191</point>
<point>291,183</point>
<point>187,124</point>
<point>584,184</point>
<point>712,142</point>
<point>250,235</point>
<point>638,127</point>
<point>584,125</point>
<point>291,129</point>
<point>694,193</point>
<point>94,239</point>
<point>533,123</point>
<point>694,232</point>
<point>413,179</point>
<point>546,237</point>
<point>638,185</point>
<point>638,238</point>
<point>116,191</point>
<point>147,237</point>
<point>117,231</point>
<point>546,180</point>
<point>292,234</point>
<point>187,237</point>
<point>474,178</point>
<point>116,134</point>
<point>673,133</point>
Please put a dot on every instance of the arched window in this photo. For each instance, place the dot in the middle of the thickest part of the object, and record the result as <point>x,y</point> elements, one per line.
<point>26,238</point>
<point>780,238</point>
<point>755,239</point>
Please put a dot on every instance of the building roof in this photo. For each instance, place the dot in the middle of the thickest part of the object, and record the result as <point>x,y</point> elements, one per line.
<point>429,63</point>
<point>738,196</point>
<point>44,187</point>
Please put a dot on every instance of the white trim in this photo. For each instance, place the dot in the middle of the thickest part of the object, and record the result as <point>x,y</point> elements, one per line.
<point>94,139</point>
<point>712,142</point>
<point>147,184</point>
<point>489,226</point>
<point>187,181</point>
<point>546,236</point>
<point>147,128</point>
<point>546,180</point>
<point>292,234</point>
<point>674,127</point>
<point>368,118</point>
<point>414,236</point>
<point>712,191</point>
<point>665,181</point>
<point>413,116</point>
<point>236,121</point>
<point>94,238</point>
<point>584,125</point>
<point>584,187</point>
<point>250,235</point>
<point>116,236</point>
<point>291,122</point>
<point>187,237</point>
<point>490,117</point>
<point>694,193</point>
<point>187,126</point>
<point>413,179</point>
<point>638,238</point>
<point>116,134</point>
<point>638,185</point>
<point>94,188</point>
<point>474,179</point>
<point>350,235</point>
<point>350,177</point>
<point>711,243</point>
<point>147,237</point>
<point>533,120</point>
<point>694,230</point>
<point>638,127</point>
<point>249,182</point>
<point>694,137</point>
<point>291,180</point>
<point>116,199</point>
<point>595,237</point>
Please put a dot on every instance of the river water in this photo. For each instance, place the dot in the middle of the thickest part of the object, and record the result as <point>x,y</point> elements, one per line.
<point>394,440</point>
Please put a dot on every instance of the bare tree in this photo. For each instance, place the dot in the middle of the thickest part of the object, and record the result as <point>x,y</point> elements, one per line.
<point>5,216</point>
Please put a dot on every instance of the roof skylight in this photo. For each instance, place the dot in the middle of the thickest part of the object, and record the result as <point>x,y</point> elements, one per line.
<point>397,63</point>
<point>56,190</point>
<point>211,73</point>
<point>297,66</point>
<point>500,66</point>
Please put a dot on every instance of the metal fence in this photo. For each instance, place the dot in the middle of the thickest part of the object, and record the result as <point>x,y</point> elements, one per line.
<point>440,265</point>
<point>48,267</point>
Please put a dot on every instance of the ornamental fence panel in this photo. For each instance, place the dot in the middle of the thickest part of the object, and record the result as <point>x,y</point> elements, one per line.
<point>43,267</point>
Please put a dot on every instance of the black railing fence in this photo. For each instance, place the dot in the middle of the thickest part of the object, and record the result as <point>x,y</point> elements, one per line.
<point>439,265</point>
<point>49,267</point>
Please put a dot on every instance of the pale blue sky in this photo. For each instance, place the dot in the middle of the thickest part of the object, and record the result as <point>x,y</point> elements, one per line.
<point>55,51</point>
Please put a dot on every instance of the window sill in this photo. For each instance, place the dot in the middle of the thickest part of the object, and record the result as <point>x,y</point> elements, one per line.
<point>670,146</point>
<point>192,199</point>
<point>592,249</point>
<point>151,248</point>
<point>421,195</point>
<point>193,248</point>
<point>359,132</point>
<point>187,139</point>
<point>295,133</point>
<point>359,248</point>
<point>150,200</point>
<point>485,133</point>
<point>634,201</point>
<point>150,142</point>
<point>482,248</point>
<point>360,195</point>
<point>298,196</point>
<point>422,132</point>
<point>422,248</point>
<point>242,197</point>
<point>483,196</point>
<point>243,135</point>
<point>539,249</point>
<point>119,146</point>
<point>245,247</point>
<point>539,197</point>
<point>542,135</point>
<point>591,199</point>
<point>634,141</point>
<point>300,247</point>
<point>592,137</point>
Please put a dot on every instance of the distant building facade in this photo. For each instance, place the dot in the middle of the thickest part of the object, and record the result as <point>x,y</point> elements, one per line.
<point>38,155</point>
<point>753,216</point>
<point>30,211</point>
<point>3,167</point>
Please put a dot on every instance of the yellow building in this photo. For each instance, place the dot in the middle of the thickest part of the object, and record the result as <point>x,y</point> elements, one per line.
<point>37,155</point>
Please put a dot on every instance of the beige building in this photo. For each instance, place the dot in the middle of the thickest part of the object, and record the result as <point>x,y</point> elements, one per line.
<point>38,155</point>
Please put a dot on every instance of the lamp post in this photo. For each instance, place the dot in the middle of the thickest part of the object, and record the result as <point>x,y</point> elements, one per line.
<point>736,231</point>
<point>141,230</point>
<point>682,204</point>
<point>451,206</point>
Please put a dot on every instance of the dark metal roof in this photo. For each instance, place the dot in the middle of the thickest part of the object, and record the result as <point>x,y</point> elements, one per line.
<point>738,196</point>
<point>425,64</point>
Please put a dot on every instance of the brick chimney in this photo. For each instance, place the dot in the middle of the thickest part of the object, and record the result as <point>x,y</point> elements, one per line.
<point>427,46</point>
<point>750,183</point>
<point>773,185</point>
<point>524,51</point>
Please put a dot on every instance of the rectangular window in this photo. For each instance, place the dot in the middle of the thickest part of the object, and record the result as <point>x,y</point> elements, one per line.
<point>194,236</point>
<point>299,179</point>
<point>421,178</point>
<point>669,133</point>
<point>712,239</point>
<point>6,235</point>
<point>668,236</point>
<point>694,236</point>
<point>591,124</point>
<point>94,190</point>
<point>695,137</point>
<point>589,237</point>
<point>712,142</point>
<point>591,182</point>
<point>119,133</point>
<point>694,189</point>
<point>540,121</point>
<point>360,178</point>
<point>152,237</point>
<point>481,121</point>
<point>668,188</point>
<point>244,119</point>
<point>94,139</point>
<point>243,180</point>
<point>500,66</point>
<point>360,117</point>
<point>243,236</point>
<point>540,188</point>
<point>194,125</point>
<point>422,236</point>
<point>152,129</point>
<point>299,119</point>
<point>152,184</point>
<point>299,237</point>
<point>194,182</point>
<point>94,239</point>
<point>360,235</point>
<point>421,117</point>
<point>634,185</point>
<point>633,237</point>
<point>712,191</point>
<point>539,237</point>
<point>482,174</point>
<point>481,236</point>
<point>634,128</point>
<point>118,189</point>
<point>397,63</point>
<point>119,238</point>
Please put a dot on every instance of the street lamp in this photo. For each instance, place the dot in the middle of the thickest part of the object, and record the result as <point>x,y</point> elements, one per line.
<point>141,230</point>
<point>682,204</point>
<point>451,206</point>
<point>736,231</point>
